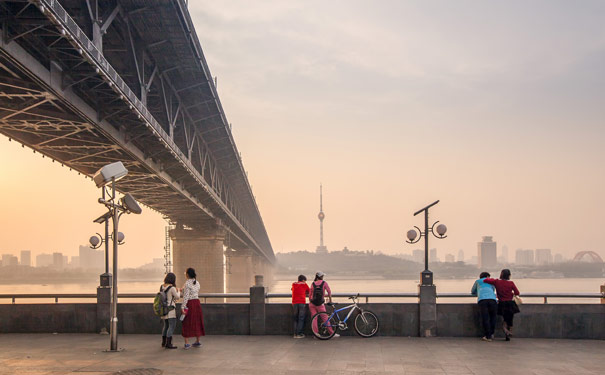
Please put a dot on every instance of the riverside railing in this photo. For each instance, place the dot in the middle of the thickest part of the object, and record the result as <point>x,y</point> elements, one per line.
<point>205,296</point>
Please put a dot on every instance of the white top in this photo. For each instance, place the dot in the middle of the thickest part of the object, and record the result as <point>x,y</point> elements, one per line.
<point>190,291</point>
<point>172,296</point>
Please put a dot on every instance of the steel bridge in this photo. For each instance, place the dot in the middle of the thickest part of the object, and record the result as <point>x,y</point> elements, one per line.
<point>89,82</point>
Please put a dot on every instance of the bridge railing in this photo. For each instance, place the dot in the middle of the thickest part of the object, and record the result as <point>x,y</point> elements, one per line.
<point>269,296</point>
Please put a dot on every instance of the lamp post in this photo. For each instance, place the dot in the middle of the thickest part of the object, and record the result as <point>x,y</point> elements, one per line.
<point>426,276</point>
<point>127,204</point>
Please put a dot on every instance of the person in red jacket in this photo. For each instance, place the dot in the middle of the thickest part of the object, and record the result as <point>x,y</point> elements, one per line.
<point>300,291</point>
<point>505,289</point>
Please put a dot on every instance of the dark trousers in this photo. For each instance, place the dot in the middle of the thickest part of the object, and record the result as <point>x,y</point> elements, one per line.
<point>488,309</point>
<point>299,310</point>
<point>508,318</point>
<point>169,325</point>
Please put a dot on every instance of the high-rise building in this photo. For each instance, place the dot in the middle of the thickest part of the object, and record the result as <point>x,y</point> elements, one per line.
<point>503,257</point>
<point>58,260</point>
<point>26,258</point>
<point>524,257</point>
<point>9,260</point>
<point>321,249</point>
<point>44,260</point>
<point>433,255</point>
<point>558,258</point>
<point>543,256</point>
<point>449,258</point>
<point>418,256</point>
<point>91,259</point>
<point>487,253</point>
<point>460,255</point>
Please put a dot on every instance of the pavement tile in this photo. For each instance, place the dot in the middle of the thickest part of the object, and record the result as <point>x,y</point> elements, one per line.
<point>83,354</point>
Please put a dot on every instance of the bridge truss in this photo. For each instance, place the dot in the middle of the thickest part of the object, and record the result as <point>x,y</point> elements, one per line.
<point>91,82</point>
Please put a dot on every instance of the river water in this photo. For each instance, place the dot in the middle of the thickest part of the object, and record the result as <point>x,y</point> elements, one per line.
<point>588,285</point>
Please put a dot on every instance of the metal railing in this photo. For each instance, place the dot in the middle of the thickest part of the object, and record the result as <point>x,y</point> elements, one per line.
<point>268,296</point>
<point>204,296</point>
<point>367,296</point>
<point>545,296</point>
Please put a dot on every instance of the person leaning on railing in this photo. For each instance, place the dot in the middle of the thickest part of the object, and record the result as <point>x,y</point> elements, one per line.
<point>506,290</point>
<point>486,299</point>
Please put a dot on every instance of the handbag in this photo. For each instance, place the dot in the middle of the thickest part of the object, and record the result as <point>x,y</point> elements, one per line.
<point>517,300</point>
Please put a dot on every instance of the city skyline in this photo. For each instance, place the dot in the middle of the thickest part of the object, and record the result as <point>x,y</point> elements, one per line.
<point>509,121</point>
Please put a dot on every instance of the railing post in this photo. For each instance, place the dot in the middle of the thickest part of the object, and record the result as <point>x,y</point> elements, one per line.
<point>257,307</point>
<point>14,300</point>
<point>427,310</point>
<point>545,300</point>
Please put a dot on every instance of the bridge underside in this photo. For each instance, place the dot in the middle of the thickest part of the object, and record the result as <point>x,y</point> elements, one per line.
<point>62,98</point>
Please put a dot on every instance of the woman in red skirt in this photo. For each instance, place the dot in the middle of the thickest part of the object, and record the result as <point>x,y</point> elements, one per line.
<point>193,323</point>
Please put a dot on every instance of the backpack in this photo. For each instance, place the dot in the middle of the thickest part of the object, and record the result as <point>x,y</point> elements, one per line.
<point>317,297</point>
<point>160,303</point>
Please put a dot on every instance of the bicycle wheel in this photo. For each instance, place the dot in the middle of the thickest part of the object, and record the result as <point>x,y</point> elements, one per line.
<point>366,324</point>
<point>323,327</point>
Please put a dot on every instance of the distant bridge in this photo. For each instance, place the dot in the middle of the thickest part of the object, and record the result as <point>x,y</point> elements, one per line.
<point>89,82</point>
<point>594,257</point>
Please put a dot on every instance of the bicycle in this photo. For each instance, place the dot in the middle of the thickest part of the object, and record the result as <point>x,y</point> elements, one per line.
<point>324,326</point>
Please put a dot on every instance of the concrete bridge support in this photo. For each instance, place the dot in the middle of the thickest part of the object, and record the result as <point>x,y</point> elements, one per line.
<point>239,270</point>
<point>261,267</point>
<point>202,251</point>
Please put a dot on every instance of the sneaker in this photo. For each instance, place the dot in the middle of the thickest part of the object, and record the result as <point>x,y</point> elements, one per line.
<point>298,336</point>
<point>301,336</point>
<point>197,344</point>
<point>295,336</point>
<point>484,338</point>
<point>187,347</point>
<point>336,335</point>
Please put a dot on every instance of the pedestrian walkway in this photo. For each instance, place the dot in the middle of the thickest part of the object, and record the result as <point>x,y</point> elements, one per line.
<point>82,354</point>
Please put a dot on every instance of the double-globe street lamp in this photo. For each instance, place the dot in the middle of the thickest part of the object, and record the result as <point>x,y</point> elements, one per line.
<point>414,236</point>
<point>97,240</point>
<point>109,174</point>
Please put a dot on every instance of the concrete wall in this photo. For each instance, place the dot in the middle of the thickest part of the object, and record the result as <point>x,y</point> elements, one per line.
<point>586,321</point>
<point>572,321</point>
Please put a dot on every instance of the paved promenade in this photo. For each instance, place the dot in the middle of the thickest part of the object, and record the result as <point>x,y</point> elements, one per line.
<point>82,354</point>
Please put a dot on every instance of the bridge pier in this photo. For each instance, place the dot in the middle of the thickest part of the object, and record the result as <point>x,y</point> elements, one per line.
<point>261,267</point>
<point>203,251</point>
<point>239,273</point>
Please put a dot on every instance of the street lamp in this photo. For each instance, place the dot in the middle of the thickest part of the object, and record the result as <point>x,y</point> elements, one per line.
<point>97,240</point>
<point>127,204</point>
<point>414,236</point>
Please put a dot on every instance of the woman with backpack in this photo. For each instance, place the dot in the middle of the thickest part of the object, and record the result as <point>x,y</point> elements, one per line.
<point>319,288</point>
<point>193,321</point>
<point>169,297</point>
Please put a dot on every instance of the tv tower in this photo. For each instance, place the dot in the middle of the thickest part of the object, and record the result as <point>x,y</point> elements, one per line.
<point>321,216</point>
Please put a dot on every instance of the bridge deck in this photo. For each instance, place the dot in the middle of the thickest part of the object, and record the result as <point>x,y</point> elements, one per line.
<point>82,354</point>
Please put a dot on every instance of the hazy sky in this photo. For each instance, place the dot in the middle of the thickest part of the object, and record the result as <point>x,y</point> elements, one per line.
<point>495,108</point>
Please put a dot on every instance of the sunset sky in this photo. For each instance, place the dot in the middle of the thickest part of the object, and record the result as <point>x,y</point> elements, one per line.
<point>495,108</point>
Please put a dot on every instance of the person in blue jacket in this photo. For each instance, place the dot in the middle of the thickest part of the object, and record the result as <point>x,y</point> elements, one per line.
<point>488,307</point>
